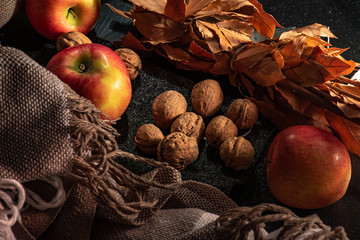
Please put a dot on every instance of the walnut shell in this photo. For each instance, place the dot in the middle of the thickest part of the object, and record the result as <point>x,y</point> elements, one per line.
<point>189,123</point>
<point>237,153</point>
<point>243,112</point>
<point>71,39</point>
<point>178,150</point>
<point>207,97</point>
<point>219,129</point>
<point>131,60</point>
<point>167,106</point>
<point>148,137</point>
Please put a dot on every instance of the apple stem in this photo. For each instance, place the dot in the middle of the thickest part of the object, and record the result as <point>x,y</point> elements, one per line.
<point>71,11</point>
<point>82,68</point>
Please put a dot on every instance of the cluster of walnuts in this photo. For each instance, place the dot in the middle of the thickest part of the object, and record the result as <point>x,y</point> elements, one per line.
<point>180,147</point>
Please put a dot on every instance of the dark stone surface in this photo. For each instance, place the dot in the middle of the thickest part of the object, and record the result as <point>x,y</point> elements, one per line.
<point>248,187</point>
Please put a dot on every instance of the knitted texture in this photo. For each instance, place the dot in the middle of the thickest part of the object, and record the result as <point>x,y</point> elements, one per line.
<point>8,9</point>
<point>34,135</point>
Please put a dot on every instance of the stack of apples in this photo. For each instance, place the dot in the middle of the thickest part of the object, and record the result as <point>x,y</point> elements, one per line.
<point>92,70</point>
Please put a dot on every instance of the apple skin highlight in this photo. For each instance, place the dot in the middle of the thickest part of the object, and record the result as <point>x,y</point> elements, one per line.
<point>97,73</point>
<point>51,18</point>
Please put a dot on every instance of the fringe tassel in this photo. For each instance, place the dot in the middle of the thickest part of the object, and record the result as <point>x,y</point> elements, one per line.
<point>95,149</point>
<point>34,200</point>
<point>250,223</point>
<point>12,198</point>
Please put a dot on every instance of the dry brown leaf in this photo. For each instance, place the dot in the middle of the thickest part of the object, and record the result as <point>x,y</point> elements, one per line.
<point>182,59</point>
<point>235,39</point>
<point>279,58</point>
<point>118,11</point>
<point>263,22</point>
<point>213,37</point>
<point>269,111</point>
<point>348,132</point>
<point>195,6</point>
<point>219,6</point>
<point>280,118</point>
<point>308,73</point>
<point>297,103</point>
<point>250,55</point>
<point>352,90</point>
<point>238,25</point>
<point>130,41</point>
<point>266,72</point>
<point>334,51</point>
<point>158,28</point>
<point>334,65</point>
<point>349,111</point>
<point>200,52</point>
<point>292,52</point>
<point>313,30</point>
<point>157,6</point>
<point>175,10</point>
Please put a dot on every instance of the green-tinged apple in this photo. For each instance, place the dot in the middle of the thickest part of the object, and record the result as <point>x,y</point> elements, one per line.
<point>307,167</point>
<point>97,73</point>
<point>51,18</point>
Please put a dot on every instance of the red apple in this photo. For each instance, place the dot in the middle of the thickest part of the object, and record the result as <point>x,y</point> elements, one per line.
<point>51,18</point>
<point>97,73</point>
<point>307,167</point>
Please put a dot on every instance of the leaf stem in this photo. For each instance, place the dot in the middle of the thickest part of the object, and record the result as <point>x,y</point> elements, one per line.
<point>348,80</point>
<point>317,100</point>
<point>332,87</point>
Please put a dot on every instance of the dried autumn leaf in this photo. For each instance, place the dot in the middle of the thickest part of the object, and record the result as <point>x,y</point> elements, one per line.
<point>292,52</point>
<point>249,56</point>
<point>308,73</point>
<point>157,27</point>
<point>352,93</point>
<point>175,10</point>
<point>297,103</point>
<point>218,6</point>
<point>200,52</point>
<point>281,119</point>
<point>195,6</point>
<point>279,58</point>
<point>157,6</point>
<point>334,51</point>
<point>213,36</point>
<point>348,111</point>
<point>118,11</point>
<point>235,31</point>
<point>269,111</point>
<point>266,72</point>
<point>130,41</point>
<point>263,22</point>
<point>313,30</point>
<point>334,65</point>
<point>348,132</point>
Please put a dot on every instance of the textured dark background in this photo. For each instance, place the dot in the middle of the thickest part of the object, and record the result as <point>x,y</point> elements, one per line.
<point>247,188</point>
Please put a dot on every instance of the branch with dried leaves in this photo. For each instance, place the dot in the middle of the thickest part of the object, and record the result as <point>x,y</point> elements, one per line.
<point>294,78</point>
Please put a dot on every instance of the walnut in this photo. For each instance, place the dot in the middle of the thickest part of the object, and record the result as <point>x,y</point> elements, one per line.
<point>237,153</point>
<point>131,60</point>
<point>190,124</point>
<point>219,129</point>
<point>148,137</point>
<point>167,107</point>
<point>71,39</point>
<point>243,112</point>
<point>207,97</point>
<point>178,150</point>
